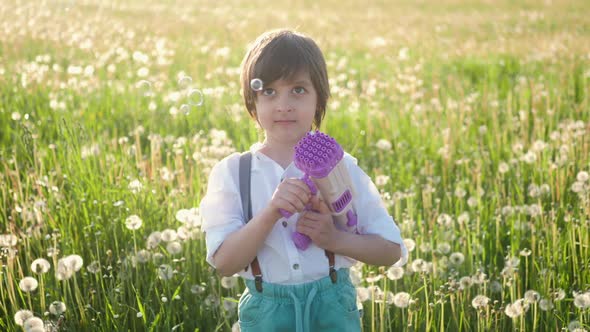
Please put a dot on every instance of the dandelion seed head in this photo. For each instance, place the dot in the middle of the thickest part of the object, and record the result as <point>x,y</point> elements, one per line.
<point>133,222</point>
<point>174,248</point>
<point>465,282</point>
<point>558,294</point>
<point>165,272</point>
<point>198,289</point>
<point>582,176</point>
<point>401,300</point>
<point>582,300</point>
<point>40,265</point>
<point>168,235</point>
<point>74,262</point>
<point>383,145</point>
<point>143,256</point>
<point>395,272</point>
<point>574,325</point>
<point>457,258</point>
<point>480,301</point>
<point>516,308</point>
<point>93,267</point>
<point>545,304</point>
<point>33,323</point>
<point>21,316</point>
<point>57,308</point>
<point>503,168</point>
<point>410,244</point>
<point>444,220</point>
<point>153,240</point>
<point>444,248</point>
<point>363,294</point>
<point>28,284</point>
<point>532,296</point>
<point>8,240</point>
<point>495,286</point>
<point>229,282</point>
<point>135,186</point>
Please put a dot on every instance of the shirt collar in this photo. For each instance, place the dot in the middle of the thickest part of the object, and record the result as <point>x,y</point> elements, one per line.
<point>261,161</point>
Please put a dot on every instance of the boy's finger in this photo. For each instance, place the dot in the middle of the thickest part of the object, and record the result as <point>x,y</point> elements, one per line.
<point>323,207</point>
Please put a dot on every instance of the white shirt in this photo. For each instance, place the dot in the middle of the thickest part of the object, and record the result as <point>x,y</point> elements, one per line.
<point>280,261</point>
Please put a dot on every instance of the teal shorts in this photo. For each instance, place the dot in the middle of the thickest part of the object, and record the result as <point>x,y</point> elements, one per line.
<point>315,306</point>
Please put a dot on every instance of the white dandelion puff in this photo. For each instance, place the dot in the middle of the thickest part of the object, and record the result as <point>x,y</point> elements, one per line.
<point>165,272</point>
<point>143,256</point>
<point>33,323</point>
<point>401,300</point>
<point>480,301</point>
<point>153,240</point>
<point>21,316</point>
<point>383,144</point>
<point>395,273</point>
<point>28,284</point>
<point>133,222</point>
<point>457,258</point>
<point>168,235</point>
<point>532,296</point>
<point>545,304</point>
<point>93,267</point>
<point>410,244</point>
<point>40,265</point>
<point>229,282</point>
<point>174,248</point>
<point>582,300</point>
<point>57,308</point>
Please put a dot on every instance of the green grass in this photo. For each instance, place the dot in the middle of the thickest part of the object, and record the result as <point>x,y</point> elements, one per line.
<point>486,107</point>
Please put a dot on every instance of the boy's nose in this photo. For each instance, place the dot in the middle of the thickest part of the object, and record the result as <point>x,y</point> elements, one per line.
<point>284,104</point>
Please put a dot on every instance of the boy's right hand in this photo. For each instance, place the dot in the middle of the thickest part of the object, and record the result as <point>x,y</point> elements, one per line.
<point>291,195</point>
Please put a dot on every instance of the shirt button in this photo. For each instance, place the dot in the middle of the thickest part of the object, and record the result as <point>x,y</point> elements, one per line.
<point>285,224</point>
<point>295,266</point>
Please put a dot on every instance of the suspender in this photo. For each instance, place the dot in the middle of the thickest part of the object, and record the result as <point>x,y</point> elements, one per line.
<point>244,180</point>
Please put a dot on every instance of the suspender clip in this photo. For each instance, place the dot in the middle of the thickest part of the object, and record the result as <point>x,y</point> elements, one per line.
<point>258,283</point>
<point>333,275</point>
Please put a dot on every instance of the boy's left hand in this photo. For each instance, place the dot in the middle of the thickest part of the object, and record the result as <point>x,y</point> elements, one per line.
<point>318,224</point>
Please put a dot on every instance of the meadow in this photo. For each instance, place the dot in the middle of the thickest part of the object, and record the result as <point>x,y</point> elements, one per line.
<point>472,118</point>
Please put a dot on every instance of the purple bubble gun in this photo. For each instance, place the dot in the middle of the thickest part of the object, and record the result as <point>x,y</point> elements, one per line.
<point>320,157</point>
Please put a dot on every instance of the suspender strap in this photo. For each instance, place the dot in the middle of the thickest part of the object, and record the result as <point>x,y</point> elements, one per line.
<point>245,167</point>
<point>331,262</point>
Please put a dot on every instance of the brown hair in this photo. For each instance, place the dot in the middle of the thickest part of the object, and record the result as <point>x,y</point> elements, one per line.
<point>280,54</point>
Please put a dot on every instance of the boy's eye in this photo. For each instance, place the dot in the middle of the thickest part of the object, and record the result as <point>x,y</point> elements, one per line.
<point>268,92</point>
<point>299,90</point>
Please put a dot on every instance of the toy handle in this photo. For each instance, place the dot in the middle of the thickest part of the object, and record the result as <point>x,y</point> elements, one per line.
<point>312,188</point>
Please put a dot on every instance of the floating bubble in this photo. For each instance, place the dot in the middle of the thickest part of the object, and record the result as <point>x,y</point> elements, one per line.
<point>195,97</point>
<point>184,81</point>
<point>144,87</point>
<point>186,109</point>
<point>256,84</point>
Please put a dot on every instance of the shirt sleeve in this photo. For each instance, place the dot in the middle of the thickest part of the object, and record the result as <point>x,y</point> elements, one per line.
<point>372,214</point>
<point>221,207</point>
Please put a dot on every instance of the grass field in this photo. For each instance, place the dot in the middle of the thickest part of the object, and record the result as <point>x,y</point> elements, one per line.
<point>473,118</point>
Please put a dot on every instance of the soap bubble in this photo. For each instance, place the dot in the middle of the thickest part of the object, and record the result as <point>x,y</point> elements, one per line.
<point>184,81</point>
<point>186,109</point>
<point>256,84</point>
<point>195,97</point>
<point>144,87</point>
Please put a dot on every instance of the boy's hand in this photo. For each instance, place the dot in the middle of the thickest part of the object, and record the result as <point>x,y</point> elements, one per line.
<point>318,224</point>
<point>291,195</point>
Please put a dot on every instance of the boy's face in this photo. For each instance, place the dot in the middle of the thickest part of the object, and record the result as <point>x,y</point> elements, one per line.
<point>286,108</point>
